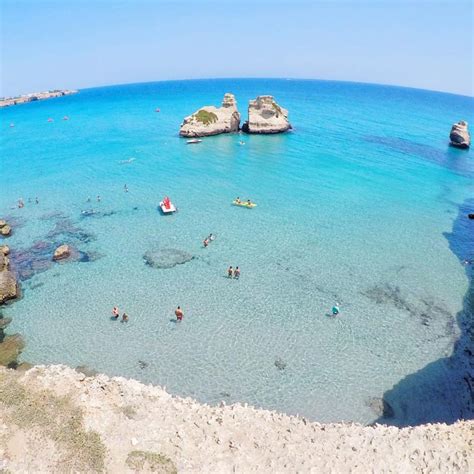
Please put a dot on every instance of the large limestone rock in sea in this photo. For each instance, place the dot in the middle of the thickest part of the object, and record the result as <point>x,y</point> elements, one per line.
<point>210,120</point>
<point>266,116</point>
<point>459,135</point>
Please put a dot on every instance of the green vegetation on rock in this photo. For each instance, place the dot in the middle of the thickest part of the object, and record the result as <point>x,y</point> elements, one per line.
<point>56,418</point>
<point>205,117</point>
<point>149,461</point>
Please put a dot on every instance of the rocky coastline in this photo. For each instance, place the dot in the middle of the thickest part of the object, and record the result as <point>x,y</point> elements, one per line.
<point>121,425</point>
<point>265,116</point>
<point>34,96</point>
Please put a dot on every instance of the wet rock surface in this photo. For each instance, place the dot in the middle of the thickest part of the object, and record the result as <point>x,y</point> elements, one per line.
<point>166,258</point>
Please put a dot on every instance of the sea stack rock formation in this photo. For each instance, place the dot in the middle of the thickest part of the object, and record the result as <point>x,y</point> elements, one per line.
<point>210,120</point>
<point>266,116</point>
<point>459,135</point>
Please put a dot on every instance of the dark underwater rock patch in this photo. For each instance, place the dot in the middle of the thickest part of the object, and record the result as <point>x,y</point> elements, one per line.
<point>166,258</point>
<point>460,165</point>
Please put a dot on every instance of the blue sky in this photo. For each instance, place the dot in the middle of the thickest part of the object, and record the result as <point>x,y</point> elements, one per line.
<point>85,43</point>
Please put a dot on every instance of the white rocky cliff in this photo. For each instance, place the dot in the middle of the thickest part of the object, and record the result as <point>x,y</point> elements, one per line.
<point>459,135</point>
<point>266,116</point>
<point>210,120</point>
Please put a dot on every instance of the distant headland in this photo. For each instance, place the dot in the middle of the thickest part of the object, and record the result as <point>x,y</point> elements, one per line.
<point>23,99</point>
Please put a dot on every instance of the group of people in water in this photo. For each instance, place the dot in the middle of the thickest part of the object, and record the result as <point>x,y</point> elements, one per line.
<point>21,203</point>
<point>116,315</point>
<point>233,272</point>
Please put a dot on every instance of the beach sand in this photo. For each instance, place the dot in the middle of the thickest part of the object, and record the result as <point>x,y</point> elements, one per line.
<point>48,416</point>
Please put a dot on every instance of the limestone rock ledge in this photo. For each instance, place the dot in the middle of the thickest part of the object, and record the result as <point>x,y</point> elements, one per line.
<point>459,136</point>
<point>9,286</point>
<point>210,120</point>
<point>124,420</point>
<point>266,116</point>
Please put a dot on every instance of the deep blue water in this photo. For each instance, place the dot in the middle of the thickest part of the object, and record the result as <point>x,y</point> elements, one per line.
<point>353,207</point>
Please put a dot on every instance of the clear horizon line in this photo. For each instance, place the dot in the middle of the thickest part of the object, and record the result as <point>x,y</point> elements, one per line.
<point>289,78</point>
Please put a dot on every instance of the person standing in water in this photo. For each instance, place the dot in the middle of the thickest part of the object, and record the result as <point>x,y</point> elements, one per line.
<point>179,314</point>
<point>115,312</point>
<point>37,200</point>
<point>98,198</point>
<point>21,203</point>
<point>237,273</point>
<point>230,272</point>
<point>206,242</point>
<point>125,188</point>
<point>335,309</point>
<point>124,318</point>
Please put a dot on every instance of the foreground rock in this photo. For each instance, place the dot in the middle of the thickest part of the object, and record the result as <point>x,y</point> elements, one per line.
<point>266,116</point>
<point>132,425</point>
<point>459,135</point>
<point>210,120</point>
<point>62,252</point>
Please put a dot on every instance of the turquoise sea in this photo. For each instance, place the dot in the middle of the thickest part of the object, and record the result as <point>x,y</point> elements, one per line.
<point>353,207</point>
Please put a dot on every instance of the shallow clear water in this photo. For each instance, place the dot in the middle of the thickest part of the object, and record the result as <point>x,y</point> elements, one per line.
<point>352,206</point>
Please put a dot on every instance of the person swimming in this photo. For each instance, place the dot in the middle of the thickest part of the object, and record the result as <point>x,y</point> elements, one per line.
<point>206,242</point>
<point>178,313</point>
<point>125,188</point>
<point>335,309</point>
<point>211,237</point>
<point>230,272</point>
<point>98,198</point>
<point>37,200</point>
<point>21,203</point>
<point>124,318</point>
<point>115,312</point>
<point>237,273</point>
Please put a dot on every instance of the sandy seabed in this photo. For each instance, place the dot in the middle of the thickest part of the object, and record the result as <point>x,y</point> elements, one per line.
<point>142,428</point>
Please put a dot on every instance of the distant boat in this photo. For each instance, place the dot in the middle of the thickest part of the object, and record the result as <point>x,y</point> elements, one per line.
<point>50,120</point>
<point>12,125</point>
<point>193,140</point>
<point>65,117</point>
<point>157,110</point>
<point>167,207</point>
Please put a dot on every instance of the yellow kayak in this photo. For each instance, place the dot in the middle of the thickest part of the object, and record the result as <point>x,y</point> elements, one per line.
<point>244,204</point>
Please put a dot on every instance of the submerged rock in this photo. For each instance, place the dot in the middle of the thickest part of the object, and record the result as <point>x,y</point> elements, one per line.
<point>10,349</point>
<point>62,252</point>
<point>459,136</point>
<point>280,364</point>
<point>266,116</point>
<point>380,407</point>
<point>210,120</point>
<point>166,258</point>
